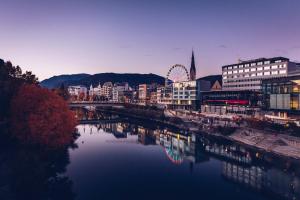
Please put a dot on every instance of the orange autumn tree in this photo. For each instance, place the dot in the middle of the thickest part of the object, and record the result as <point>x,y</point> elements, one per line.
<point>39,116</point>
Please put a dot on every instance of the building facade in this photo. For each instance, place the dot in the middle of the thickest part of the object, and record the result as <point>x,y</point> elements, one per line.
<point>242,103</point>
<point>187,95</point>
<point>282,96</point>
<point>77,90</point>
<point>248,75</point>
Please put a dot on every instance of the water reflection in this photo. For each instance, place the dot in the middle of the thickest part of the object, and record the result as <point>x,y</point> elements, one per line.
<point>265,174</point>
<point>30,173</point>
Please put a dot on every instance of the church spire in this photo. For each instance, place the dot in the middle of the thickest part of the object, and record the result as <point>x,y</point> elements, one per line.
<point>193,68</point>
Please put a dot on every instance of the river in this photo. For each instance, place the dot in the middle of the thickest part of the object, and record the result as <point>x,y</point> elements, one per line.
<point>119,158</point>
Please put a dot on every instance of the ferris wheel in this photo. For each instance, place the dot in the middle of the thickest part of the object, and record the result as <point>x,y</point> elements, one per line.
<point>177,73</point>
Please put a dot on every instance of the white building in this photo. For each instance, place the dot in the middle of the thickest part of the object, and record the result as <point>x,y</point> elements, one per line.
<point>248,75</point>
<point>76,90</point>
<point>96,91</point>
<point>187,94</point>
<point>106,90</point>
<point>118,91</point>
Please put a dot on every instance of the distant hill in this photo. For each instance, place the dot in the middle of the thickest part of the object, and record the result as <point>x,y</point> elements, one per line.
<point>85,79</point>
<point>56,81</point>
<point>212,79</point>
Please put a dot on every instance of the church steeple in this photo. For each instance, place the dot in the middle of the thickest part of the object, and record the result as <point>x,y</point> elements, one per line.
<point>193,68</point>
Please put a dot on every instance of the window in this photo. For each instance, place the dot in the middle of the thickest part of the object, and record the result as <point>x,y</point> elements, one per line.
<point>259,74</point>
<point>284,65</point>
<point>235,76</point>
<point>274,67</point>
<point>235,71</point>
<point>259,63</point>
<point>224,72</point>
<point>241,71</point>
<point>229,67</point>
<point>282,72</point>
<point>253,74</point>
<point>266,73</point>
<point>241,66</point>
<point>229,72</point>
<point>235,67</point>
<point>274,72</point>
<point>246,70</point>
<point>253,64</point>
<point>277,61</point>
<point>246,75</point>
<point>259,69</point>
<point>224,77</point>
<point>267,68</point>
<point>253,69</point>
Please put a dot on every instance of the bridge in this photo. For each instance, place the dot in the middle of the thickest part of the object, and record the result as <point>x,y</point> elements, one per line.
<point>74,104</point>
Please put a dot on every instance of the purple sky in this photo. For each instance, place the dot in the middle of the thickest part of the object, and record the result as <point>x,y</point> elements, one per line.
<point>93,36</point>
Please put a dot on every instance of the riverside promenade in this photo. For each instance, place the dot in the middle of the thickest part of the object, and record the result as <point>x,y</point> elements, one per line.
<point>268,141</point>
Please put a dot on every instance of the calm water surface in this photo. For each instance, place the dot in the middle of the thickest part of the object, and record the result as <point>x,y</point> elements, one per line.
<point>127,160</point>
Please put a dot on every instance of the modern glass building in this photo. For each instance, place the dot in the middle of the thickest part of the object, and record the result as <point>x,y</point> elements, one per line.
<point>282,95</point>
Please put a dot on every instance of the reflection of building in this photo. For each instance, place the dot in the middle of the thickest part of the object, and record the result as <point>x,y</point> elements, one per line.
<point>231,152</point>
<point>252,176</point>
<point>186,95</point>
<point>247,75</point>
<point>271,181</point>
<point>282,96</point>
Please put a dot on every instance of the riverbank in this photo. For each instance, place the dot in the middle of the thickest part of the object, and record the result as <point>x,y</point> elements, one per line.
<point>271,142</point>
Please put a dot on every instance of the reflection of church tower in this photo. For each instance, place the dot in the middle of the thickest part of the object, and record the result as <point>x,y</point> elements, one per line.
<point>193,68</point>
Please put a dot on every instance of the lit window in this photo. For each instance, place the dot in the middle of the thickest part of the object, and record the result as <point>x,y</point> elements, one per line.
<point>253,69</point>
<point>259,74</point>
<point>241,71</point>
<point>266,73</point>
<point>274,72</point>
<point>277,61</point>
<point>253,64</point>
<point>240,66</point>
<point>253,74</point>
<point>274,67</point>
<point>267,68</point>
<point>259,68</point>
<point>267,62</point>
<point>234,67</point>
<point>282,72</point>
<point>246,65</point>
<point>229,72</point>
<point>284,65</point>
<point>224,72</point>
<point>246,70</point>
<point>225,77</point>
<point>229,67</point>
<point>259,63</point>
<point>235,71</point>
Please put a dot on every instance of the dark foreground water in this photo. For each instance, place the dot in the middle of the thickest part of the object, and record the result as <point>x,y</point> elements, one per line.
<point>134,160</point>
<point>129,161</point>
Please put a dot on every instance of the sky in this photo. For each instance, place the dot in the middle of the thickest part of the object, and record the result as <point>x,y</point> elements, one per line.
<point>53,37</point>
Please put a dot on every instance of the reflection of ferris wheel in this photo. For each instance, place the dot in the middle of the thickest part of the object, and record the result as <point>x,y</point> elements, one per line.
<point>177,73</point>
